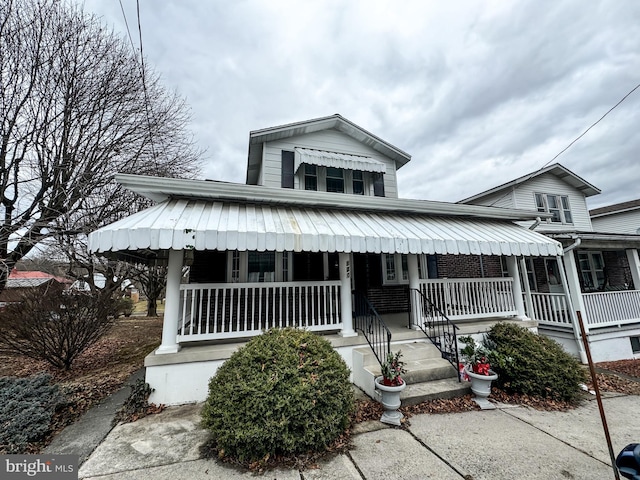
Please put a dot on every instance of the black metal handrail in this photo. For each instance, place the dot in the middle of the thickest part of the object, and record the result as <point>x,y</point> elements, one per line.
<point>435,325</point>
<point>367,320</point>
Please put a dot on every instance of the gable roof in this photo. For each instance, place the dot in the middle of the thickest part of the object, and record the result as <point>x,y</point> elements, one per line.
<point>25,279</point>
<point>615,208</point>
<point>556,169</point>
<point>336,122</point>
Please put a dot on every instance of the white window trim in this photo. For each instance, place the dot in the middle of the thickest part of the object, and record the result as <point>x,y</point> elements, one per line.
<point>561,209</point>
<point>244,266</point>
<point>592,270</point>
<point>400,272</point>
<point>347,176</point>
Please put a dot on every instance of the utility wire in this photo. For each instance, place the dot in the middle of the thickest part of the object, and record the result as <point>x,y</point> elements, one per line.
<point>531,175</point>
<point>142,73</point>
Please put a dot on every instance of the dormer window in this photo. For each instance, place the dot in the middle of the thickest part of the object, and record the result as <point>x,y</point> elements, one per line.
<point>556,205</point>
<point>335,180</point>
<point>310,177</point>
<point>358,183</point>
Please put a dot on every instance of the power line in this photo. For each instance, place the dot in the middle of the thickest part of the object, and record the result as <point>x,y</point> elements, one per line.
<point>531,175</point>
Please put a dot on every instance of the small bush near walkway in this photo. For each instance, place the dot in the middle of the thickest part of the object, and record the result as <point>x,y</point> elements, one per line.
<point>27,406</point>
<point>531,364</point>
<point>285,392</point>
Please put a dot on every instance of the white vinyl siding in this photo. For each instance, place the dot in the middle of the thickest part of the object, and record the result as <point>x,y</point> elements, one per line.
<point>523,196</point>
<point>329,140</point>
<point>623,222</point>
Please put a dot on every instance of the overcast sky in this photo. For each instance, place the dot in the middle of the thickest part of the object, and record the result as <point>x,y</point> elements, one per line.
<point>478,92</point>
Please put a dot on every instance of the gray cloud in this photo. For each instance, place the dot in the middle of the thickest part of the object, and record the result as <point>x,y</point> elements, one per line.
<point>477,92</point>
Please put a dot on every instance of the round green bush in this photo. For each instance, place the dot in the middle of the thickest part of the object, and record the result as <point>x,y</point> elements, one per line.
<point>532,364</point>
<point>285,392</point>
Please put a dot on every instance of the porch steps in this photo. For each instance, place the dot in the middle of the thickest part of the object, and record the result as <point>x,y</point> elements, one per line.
<point>428,376</point>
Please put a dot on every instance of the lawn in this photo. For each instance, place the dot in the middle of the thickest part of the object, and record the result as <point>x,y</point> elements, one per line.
<point>99,371</point>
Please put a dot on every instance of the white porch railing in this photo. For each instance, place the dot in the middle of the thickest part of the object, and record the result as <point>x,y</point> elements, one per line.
<point>612,308</point>
<point>231,310</point>
<point>462,298</point>
<point>551,309</point>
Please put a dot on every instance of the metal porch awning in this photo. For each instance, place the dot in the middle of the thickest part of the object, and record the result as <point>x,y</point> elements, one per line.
<point>220,225</point>
<point>338,160</point>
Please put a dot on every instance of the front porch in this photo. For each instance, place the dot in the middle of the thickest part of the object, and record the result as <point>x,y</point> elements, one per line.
<point>183,376</point>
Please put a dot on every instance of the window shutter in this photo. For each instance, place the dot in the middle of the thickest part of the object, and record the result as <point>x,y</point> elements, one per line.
<point>287,169</point>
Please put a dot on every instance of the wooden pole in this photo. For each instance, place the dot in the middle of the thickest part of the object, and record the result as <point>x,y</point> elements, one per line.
<point>598,396</point>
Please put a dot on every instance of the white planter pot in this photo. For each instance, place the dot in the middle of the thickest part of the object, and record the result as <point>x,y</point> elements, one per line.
<point>481,384</point>
<point>390,399</point>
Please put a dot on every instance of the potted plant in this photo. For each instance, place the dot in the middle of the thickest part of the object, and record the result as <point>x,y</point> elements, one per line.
<point>477,366</point>
<point>390,384</point>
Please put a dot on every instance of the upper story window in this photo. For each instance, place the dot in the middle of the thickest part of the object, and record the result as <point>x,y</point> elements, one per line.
<point>358,183</point>
<point>310,177</point>
<point>556,205</point>
<point>378,185</point>
<point>335,180</point>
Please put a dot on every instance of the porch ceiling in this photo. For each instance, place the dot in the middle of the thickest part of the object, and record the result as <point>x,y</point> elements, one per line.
<point>209,225</point>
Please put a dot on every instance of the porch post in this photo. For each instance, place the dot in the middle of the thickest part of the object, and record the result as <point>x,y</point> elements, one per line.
<point>527,287</point>
<point>634,265</point>
<point>344,264</point>
<point>172,304</point>
<point>512,268</point>
<point>414,284</point>
<point>569,294</point>
<point>573,282</point>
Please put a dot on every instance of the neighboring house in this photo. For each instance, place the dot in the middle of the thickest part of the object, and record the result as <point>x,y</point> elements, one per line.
<point>620,218</point>
<point>21,282</point>
<point>318,238</point>
<point>601,262</point>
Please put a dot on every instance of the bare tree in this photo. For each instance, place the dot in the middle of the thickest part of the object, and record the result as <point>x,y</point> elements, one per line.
<point>55,326</point>
<point>74,110</point>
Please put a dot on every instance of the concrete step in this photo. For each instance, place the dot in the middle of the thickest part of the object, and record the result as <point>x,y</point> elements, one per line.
<point>428,375</point>
<point>438,389</point>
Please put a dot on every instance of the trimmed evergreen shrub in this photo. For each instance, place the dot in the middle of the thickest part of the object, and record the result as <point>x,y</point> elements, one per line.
<point>532,364</point>
<point>285,392</point>
<point>27,406</point>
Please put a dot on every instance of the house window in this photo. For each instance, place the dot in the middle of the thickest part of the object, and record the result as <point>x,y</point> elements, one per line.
<point>261,267</point>
<point>335,180</point>
<point>635,344</point>
<point>235,266</point>
<point>396,269</point>
<point>310,177</point>
<point>531,274</point>
<point>378,185</point>
<point>591,270</point>
<point>556,205</point>
<point>358,183</point>
<point>285,267</point>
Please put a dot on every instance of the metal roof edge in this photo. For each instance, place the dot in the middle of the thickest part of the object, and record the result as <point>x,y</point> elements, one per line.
<point>162,188</point>
<point>593,190</point>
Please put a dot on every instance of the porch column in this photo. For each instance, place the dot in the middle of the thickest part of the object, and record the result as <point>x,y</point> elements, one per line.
<point>512,268</point>
<point>569,294</point>
<point>414,284</point>
<point>634,265</point>
<point>527,288</point>
<point>573,283</point>
<point>344,264</point>
<point>172,304</point>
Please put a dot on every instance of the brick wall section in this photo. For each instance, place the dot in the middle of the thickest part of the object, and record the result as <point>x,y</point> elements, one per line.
<point>617,268</point>
<point>469,266</point>
<point>390,298</point>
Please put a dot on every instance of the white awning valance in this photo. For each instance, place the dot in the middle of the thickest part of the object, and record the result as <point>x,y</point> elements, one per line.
<point>215,225</point>
<point>336,160</point>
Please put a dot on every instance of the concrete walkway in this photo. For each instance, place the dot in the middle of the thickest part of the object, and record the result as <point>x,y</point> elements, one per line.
<point>506,443</point>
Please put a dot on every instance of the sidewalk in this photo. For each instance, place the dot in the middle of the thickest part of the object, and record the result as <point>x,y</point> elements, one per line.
<point>506,443</point>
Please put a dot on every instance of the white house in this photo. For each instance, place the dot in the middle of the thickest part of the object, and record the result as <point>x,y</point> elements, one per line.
<point>318,238</point>
<point>601,262</point>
